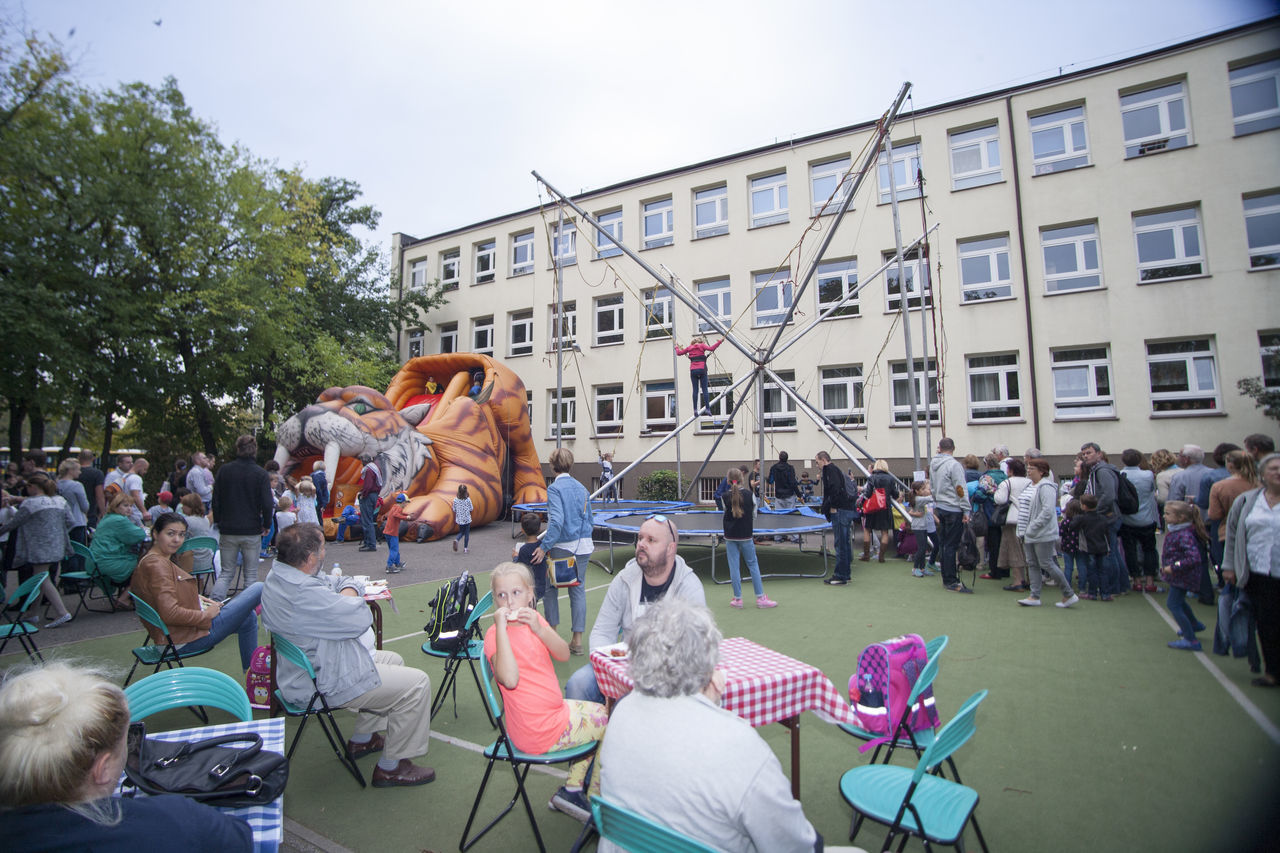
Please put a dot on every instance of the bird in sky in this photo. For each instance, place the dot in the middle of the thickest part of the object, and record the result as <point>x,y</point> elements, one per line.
<point>158,21</point>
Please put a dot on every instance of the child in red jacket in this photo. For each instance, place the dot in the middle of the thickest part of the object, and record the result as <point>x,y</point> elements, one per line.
<point>698,352</point>
<point>391,530</point>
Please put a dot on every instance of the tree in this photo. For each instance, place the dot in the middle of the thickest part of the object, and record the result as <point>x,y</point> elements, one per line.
<point>1267,399</point>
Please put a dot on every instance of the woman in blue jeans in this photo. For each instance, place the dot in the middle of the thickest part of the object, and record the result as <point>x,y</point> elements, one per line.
<point>569,525</point>
<point>195,623</point>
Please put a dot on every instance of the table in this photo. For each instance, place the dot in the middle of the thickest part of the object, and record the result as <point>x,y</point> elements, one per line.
<point>267,822</point>
<point>376,610</point>
<point>761,686</point>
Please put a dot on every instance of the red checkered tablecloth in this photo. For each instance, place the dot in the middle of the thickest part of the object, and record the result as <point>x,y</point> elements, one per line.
<point>761,686</point>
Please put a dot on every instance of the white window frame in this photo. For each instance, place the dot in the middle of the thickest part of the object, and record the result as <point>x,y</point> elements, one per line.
<point>985,142</point>
<point>1269,353</point>
<point>906,159</point>
<point>418,274</point>
<point>1169,101</point>
<point>416,343</point>
<point>827,186</point>
<point>713,202</point>
<point>566,419</point>
<point>779,407</point>
<point>482,335</point>
<point>564,245</point>
<point>658,223</point>
<point>989,257</point>
<point>846,379</point>
<point>915,268</point>
<point>1006,405</point>
<point>1198,359</point>
<point>448,337</point>
<point>522,253</point>
<point>1072,125</point>
<point>717,384</point>
<point>716,295</point>
<point>657,306</point>
<point>838,275</point>
<point>1263,75</point>
<point>570,338</point>
<point>1180,231</point>
<point>900,403</point>
<point>659,396</point>
<point>767,199</point>
<point>520,333</point>
<point>609,398</point>
<point>783,288</point>
<point>1261,211</point>
<point>1082,237</point>
<point>609,307</point>
<point>451,269</point>
<point>611,220</point>
<point>486,261</point>
<point>1092,395</point>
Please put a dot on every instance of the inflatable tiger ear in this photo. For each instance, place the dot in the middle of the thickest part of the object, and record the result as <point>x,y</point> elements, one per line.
<point>425,445</point>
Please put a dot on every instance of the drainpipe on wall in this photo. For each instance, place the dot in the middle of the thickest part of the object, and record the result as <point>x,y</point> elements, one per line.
<point>1026,282</point>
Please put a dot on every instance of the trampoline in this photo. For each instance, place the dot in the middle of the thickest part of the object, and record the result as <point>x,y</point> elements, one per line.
<point>602,510</point>
<point>709,524</point>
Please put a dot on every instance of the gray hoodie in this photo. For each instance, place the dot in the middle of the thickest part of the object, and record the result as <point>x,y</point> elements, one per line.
<point>946,479</point>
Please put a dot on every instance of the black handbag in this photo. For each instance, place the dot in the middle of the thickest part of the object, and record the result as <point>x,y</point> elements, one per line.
<point>209,771</point>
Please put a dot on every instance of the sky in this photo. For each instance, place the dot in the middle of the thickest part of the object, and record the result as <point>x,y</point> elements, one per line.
<point>441,110</point>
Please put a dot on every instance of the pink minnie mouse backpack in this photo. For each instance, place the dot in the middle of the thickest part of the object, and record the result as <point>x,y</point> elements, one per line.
<point>258,680</point>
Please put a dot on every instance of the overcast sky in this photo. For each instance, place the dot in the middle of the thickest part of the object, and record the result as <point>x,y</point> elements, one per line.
<point>440,110</point>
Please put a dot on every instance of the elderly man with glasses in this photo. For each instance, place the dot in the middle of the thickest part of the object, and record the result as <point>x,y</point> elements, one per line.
<point>655,570</point>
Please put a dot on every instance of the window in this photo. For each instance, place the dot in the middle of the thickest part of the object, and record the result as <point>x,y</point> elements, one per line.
<point>1155,120</point>
<point>528,404</point>
<point>564,417</point>
<point>449,269</point>
<point>521,333</point>
<point>522,253</point>
<point>564,244</point>
<point>827,185</point>
<point>984,269</point>
<point>836,280</point>
<point>486,259</point>
<point>773,294</point>
<point>1082,383</point>
<point>975,157</point>
<point>1184,376</point>
<point>769,199</point>
<point>1255,96</point>
<point>568,322</point>
<point>993,387</point>
<point>609,320</point>
<point>906,164</point>
<point>448,337</point>
<point>418,275</point>
<point>917,274</point>
<point>1269,349</point>
<point>716,297</point>
<point>1168,244</point>
<point>659,406</point>
<point>608,410</point>
<point>842,395</point>
<point>901,402</point>
<point>1059,141</point>
<point>415,343</point>
<point>720,410</point>
<point>659,224</point>
<point>1262,227</point>
<point>1071,258</point>
<point>610,223</point>
<point>779,407</point>
<point>656,304</point>
<point>482,335</point>
<point>711,212</point>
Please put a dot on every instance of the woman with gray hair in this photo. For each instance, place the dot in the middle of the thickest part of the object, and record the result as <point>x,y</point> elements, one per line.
<point>672,754</point>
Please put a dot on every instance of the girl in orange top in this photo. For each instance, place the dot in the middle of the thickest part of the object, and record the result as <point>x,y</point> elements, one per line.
<point>520,645</point>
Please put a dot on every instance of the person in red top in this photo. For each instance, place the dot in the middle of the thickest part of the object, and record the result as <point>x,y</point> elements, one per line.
<point>370,485</point>
<point>698,352</point>
<point>520,645</point>
<point>395,517</point>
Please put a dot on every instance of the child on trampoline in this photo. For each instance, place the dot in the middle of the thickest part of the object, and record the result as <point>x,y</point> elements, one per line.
<point>698,351</point>
<point>520,645</point>
<point>739,510</point>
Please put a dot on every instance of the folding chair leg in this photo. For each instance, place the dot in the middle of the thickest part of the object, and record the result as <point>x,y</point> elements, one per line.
<point>484,703</point>
<point>339,744</point>
<point>297,736</point>
<point>978,831</point>
<point>464,845</point>
<point>589,831</point>
<point>446,684</point>
<point>520,794</point>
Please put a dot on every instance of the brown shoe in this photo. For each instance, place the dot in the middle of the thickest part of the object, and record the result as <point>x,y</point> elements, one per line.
<point>406,773</point>
<point>360,750</point>
<point>866,557</point>
<point>880,559</point>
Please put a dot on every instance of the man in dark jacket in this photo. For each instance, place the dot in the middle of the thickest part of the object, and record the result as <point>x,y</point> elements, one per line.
<point>1101,480</point>
<point>837,505</point>
<point>242,506</point>
<point>783,478</point>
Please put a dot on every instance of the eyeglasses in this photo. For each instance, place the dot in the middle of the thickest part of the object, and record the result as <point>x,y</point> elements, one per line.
<point>656,517</point>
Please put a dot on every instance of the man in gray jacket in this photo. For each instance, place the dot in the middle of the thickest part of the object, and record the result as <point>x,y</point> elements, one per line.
<point>328,619</point>
<point>655,570</point>
<point>946,481</point>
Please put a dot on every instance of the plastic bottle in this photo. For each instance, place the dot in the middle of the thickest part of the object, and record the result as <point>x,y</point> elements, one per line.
<point>336,573</point>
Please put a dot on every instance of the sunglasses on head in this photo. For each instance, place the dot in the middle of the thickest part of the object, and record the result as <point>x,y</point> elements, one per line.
<point>667,522</point>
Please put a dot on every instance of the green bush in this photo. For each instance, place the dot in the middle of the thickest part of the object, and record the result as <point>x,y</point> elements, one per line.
<point>661,485</point>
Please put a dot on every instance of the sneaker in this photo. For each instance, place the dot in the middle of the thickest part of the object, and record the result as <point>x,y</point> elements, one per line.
<point>61,620</point>
<point>1087,596</point>
<point>764,602</point>
<point>735,602</point>
<point>835,581</point>
<point>918,573</point>
<point>1029,602</point>
<point>1067,602</point>
<point>930,571</point>
<point>1105,597</point>
<point>1186,645</point>
<point>466,550</point>
<point>959,587</point>
<point>572,803</point>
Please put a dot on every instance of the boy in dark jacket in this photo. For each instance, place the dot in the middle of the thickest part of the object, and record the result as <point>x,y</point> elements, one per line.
<point>1093,530</point>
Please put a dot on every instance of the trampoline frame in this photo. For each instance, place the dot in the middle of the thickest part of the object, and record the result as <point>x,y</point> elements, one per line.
<point>596,514</point>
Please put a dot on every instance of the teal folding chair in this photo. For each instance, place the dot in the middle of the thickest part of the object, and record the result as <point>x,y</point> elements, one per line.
<point>470,652</point>
<point>26,595</point>
<point>204,575</point>
<point>637,833</point>
<point>192,687</point>
<point>89,580</point>
<point>913,801</point>
<point>902,734</point>
<point>521,763</point>
<point>322,712</point>
<point>155,655</point>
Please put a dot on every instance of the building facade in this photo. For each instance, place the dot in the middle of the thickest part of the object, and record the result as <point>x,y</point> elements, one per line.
<point>1105,267</point>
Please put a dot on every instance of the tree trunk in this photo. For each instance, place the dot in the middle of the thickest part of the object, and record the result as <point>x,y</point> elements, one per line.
<point>72,429</point>
<point>108,429</point>
<point>36,416</point>
<point>268,403</point>
<point>204,412</point>
<point>17,414</point>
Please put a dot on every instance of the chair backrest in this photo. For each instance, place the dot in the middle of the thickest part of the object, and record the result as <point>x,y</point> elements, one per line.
<point>83,552</point>
<point>482,607</point>
<point>187,687</point>
<point>490,693</point>
<point>199,542</point>
<point>934,647</point>
<point>147,613</point>
<point>293,655</point>
<point>950,737</point>
<point>27,593</point>
<point>637,833</point>
<point>923,682</point>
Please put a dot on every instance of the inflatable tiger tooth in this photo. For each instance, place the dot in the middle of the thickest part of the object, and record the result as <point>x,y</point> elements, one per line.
<point>426,445</point>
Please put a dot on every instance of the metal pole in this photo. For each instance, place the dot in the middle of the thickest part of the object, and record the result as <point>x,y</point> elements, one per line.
<point>760,428</point>
<point>924,323</point>
<point>555,259</point>
<point>675,385</point>
<point>724,429</point>
<point>906,315</point>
